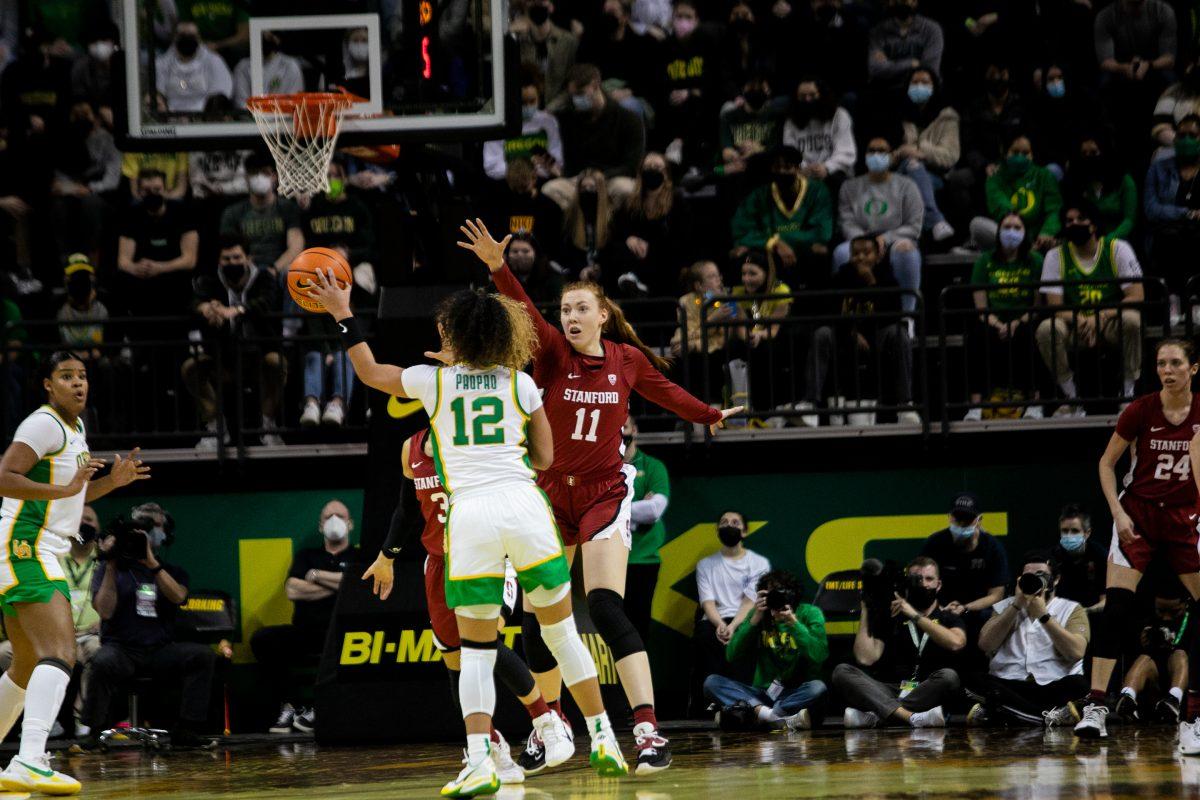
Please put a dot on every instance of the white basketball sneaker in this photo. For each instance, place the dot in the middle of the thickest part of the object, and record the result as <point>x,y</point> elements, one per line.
<point>35,775</point>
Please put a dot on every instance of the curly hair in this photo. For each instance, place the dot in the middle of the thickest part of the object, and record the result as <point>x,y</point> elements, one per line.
<point>485,330</point>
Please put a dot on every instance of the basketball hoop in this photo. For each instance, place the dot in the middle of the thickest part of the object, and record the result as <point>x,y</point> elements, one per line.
<point>301,132</point>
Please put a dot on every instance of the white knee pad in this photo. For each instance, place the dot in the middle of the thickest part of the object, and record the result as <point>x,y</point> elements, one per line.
<point>574,661</point>
<point>484,611</point>
<point>542,597</point>
<point>476,686</point>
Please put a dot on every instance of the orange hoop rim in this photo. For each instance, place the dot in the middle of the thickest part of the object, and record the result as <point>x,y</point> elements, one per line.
<point>289,103</point>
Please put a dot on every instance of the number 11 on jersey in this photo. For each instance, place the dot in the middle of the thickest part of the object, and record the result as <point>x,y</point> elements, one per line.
<point>580,418</point>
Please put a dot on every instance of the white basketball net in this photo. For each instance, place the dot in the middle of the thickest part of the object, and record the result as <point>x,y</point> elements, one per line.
<point>301,137</point>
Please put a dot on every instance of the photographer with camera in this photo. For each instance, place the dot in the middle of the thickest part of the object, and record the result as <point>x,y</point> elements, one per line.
<point>1162,662</point>
<point>914,659</point>
<point>138,597</point>
<point>1036,643</point>
<point>786,640</point>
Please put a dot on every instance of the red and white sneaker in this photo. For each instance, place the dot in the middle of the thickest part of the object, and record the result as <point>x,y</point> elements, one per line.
<point>653,750</point>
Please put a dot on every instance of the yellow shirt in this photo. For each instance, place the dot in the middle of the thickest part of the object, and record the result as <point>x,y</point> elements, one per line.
<point>173,165</point>
<point>758,310</point>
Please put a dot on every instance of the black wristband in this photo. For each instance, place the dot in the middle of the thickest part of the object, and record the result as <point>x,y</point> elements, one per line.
<point>156,570</point>
<point>351,332</point>
<point>1044,618</point>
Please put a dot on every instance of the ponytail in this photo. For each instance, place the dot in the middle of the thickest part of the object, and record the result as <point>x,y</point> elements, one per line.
<point>618,329</point>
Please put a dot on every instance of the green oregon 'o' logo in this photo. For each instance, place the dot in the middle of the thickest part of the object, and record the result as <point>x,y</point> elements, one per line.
<point>875,207</point>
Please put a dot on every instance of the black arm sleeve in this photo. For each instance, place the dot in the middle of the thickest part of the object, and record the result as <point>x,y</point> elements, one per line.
<point>407,522</point>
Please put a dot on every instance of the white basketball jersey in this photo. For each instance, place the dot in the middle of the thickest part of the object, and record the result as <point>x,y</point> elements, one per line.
<point>478,419</point>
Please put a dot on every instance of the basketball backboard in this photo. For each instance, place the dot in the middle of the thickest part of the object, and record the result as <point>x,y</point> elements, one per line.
<point>426,69</point>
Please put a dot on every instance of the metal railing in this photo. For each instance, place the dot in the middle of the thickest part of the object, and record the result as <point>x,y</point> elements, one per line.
<point>1019,369</point>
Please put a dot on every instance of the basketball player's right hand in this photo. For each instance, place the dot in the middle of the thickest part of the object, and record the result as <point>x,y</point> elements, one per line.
<point>82,476</point>
<point>480,242</point>
<point>726,413</point>
<point>1124,526</point>
<point>382,574</point>
<point>335,298</point>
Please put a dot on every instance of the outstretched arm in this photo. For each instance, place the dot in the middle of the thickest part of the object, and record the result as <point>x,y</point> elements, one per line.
<point>336,300</point>
<point>654,386</point>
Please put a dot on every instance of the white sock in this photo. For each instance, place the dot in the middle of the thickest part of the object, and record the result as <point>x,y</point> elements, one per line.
<point>1068,388</point>
<point>598,723</point>
<point>479,747</point>
<point>766,715</point>
<point>12,703</point>
<point>43,698</point>
<point>1130,692</point>
<point>1177,693</point>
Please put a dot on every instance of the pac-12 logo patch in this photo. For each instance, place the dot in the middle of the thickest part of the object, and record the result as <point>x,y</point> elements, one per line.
<point>612,379</point>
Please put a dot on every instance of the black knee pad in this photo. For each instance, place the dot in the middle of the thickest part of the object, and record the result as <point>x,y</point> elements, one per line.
<point>513,672</point>
<point>537,655</point>
<point>612,623</point>
<point>1118,625</point>
<point>454,675</point>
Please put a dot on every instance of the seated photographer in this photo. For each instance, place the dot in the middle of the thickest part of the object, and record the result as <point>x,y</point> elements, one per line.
<point>1161,667</point>
<point>138,597</point>
<point>912,643</point>
<point>785,639</point>
<point>312,586</point>
<point>1036,643</point>
<point>725,584</point>
<point>1082,563</point>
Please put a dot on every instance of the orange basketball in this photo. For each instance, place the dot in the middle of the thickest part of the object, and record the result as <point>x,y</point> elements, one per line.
<point>303,273</point>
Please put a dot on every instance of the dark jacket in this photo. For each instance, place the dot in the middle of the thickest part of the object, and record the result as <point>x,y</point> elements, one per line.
<point>260,297</point>
<point>613,142</point>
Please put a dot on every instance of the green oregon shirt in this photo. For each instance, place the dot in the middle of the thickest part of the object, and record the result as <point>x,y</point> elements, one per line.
<point>651,478</point>
<point>992,271</point>
<point>1105,269</point>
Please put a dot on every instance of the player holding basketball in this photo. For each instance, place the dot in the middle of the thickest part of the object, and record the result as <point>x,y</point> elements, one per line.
<point>423,489</point>
<point>1154,515</point>
<point>588,370</point>
<point>489,433</point>
<point>45,479</point>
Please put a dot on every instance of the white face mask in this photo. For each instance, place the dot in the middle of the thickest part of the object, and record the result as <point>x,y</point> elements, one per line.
<point>359,51</point>
<point>335,529</point>
<point>102,50</point>
<point>260,184</point>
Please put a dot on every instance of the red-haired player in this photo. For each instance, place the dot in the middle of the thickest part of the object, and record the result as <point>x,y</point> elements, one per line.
<point>423,487</point>
<point>587,372</point>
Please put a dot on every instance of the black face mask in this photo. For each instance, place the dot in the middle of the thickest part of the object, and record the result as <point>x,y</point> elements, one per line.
<point>187,45</point>
<point>1090,167</point>
<point>755,98</point>
<point>79,287</point>
<point>588,201</point>
<point>628,440</point>
<point>1077,234</point>
<point>609,25</point>
<point>153,202</point>
<point>785,182</point>
<point>87,532</point>
<point>802,112</point>
<point>539,14</point>
<point>996,86</point>
<point>729,535</point>
<point>825,14</point>
<point>741,26</point>
<point>921,597</point>
<point>233,272</point>
<point>82,128</point>
<point>652,180</point>
<point>902,11</point>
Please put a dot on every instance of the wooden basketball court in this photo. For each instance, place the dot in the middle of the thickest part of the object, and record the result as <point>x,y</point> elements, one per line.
<point>952,763</point>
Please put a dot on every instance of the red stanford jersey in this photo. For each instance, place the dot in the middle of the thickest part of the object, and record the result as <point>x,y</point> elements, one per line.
<point>587,397</point>
<point>1161,471</point>
<point>429,493</point>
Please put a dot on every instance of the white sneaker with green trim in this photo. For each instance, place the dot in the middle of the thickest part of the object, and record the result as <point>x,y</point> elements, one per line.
<point>35,775</point>
<point>475,779</point>
<point>606,756</point>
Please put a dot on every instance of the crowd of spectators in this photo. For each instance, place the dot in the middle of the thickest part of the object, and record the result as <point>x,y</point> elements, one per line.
<point>951,633</point>
<point>824,150</point>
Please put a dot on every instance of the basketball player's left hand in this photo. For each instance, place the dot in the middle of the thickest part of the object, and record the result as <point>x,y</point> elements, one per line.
<point>334,297</point>
<point>127,470</point>
<point>726,413</point>
<point>382,574</point>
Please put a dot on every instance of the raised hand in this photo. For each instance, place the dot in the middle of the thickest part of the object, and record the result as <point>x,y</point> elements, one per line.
<point>480,242</point>
<point>127,470</point>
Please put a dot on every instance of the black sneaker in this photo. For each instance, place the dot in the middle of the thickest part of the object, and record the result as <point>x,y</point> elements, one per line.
<point>1126,710</point>
<point>287,715</point>
<point>533,758</point>
<point>305,720</point>
<point>1167,711</point>
<point>187,739</point>
<point>653,750</point>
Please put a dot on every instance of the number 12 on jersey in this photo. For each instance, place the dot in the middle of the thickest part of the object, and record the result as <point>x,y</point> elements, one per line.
<point>486,413</point>
<point>580,418</point>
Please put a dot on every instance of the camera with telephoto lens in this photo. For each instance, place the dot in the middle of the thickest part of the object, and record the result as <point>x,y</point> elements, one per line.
<point>1031,583</point>
<point>131,540</point>
<point>881,582</point>
<point>780,598</point>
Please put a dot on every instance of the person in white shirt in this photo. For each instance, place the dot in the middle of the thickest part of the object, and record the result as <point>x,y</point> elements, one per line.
<point>539,140</point>
<point>281,73</point>
<point>1036,642</point>
<point>726,585</point>
<point>189,73</point>
<point>823,131</point>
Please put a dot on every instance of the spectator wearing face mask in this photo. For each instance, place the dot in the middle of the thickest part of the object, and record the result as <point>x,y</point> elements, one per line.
<point>356,57</point>
<point>281,72</point>
<point>588,226</point>
<point>973,566</point>
<point>91,74</point>
<point>652,494</point>
<point>751,125</point>
<point>521,209</point>
<point>1172,206</point>
<point>650,239</point>
<point>312,586</point>
<point>623,54</point>
<point>990,121</point>
<point>1095,174</point>
<point>823,132</point>
<point>189,73</point>
<point>1081,561</point>
<point>1035,643</point>
<point>234,305</point>
<point>887,206</point>
<point>173,166</point>
<point>269,224</point>
<point>1027,188</point>
<point>903,42</point>
<point>539,142</point>
<point>930,147</point>
<point>830,45</point>
<point>542,282</point>
<point>338,219</point>
<point>748,54</point>
<point>225,27</point>
<point>791,218</point>
<point>689,81</point>
<point>1063,110</point>
<point>88,167</point>
<point>1085,255</point>
<point>85,338</point>
<point>156,251</point>
<point>726,584</point>
<point>546,46</point>
<point>1001,338</point>
<point>1175,103</point>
